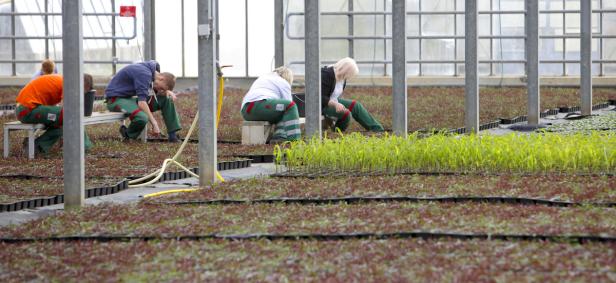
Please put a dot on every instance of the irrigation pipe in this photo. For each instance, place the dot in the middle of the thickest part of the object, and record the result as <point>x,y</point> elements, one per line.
<point>156,175</point>
<point>319,237</point>
<point>170,192</point>
<point>381,199</point>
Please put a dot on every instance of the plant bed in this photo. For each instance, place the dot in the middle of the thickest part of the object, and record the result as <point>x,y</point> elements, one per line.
<point>19,198</point>
<point>432,108</point>
<point>144,219</point>
<point>359,260</point>
<point>535,153</point>
<point>562,188</point>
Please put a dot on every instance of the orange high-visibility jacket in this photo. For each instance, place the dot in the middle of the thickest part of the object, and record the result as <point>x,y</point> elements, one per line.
<point>44,90</point>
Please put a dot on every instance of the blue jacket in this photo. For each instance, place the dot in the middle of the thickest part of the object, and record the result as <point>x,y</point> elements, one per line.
<point>135,79</point>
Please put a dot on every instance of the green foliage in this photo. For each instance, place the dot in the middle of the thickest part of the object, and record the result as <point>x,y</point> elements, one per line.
<point>514,153</point>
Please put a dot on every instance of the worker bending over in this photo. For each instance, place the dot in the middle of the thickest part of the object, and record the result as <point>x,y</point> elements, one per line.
<point>37,103</point>
<point>153,91</point>
<point>269,99</point>
<point>333,82</point>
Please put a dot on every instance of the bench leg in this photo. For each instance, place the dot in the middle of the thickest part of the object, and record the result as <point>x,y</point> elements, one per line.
<point>31,144</point>
<point>144,134</point>
<point>6,143</point>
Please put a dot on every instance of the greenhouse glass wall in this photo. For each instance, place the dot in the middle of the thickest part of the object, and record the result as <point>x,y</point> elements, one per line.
<point>355,28</point>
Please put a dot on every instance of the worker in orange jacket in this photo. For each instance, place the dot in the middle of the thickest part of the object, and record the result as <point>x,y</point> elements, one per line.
<point>37,103</point>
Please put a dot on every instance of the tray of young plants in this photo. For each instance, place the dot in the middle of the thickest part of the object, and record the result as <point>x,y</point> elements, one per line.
<point>604,122</point>
<point>414,260</point>
<point>593,153</point>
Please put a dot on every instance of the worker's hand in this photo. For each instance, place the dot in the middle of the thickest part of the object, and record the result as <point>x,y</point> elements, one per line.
<point>155,130</point>
<point>172,95</point>
<point>340,108</point>
<point>155,135</point>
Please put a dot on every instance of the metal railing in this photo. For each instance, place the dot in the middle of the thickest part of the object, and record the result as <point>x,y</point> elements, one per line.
<point>47,37</point>
<point>455,37</point>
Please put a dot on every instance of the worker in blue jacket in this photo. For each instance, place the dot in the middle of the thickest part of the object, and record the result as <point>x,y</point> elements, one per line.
<point>140,89</point>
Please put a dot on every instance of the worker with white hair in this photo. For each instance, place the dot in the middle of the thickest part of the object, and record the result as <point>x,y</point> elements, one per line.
<point>270,99</point>
<point>333,82</point>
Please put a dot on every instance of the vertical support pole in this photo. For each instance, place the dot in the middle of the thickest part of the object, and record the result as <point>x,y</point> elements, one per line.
<point>72,130</point>
<point>419,46</point>
<point>279,33</point>
<point>246,53</point>
<point>564,5</point>
<point>601,65</point>
<point>148,31</point>
<point>492,39</point>
<point>13,49</point>
<point>182,30</point>
<point>586,56</point>
<point>153,28</point>
<point>46,9</point>
<point>351,28</point>
<point>312,24</point>
<point>207,93</point>
<point>217,18</point>
<point>384,35</point>
<point>471,103</point>
<point>114,51</point>
<point>532,61</point>
<point>455,41</point>
<point>399,83</point>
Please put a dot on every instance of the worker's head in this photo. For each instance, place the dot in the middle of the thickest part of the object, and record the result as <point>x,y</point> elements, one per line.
<point>163,82</point>
<point>47,67</point>
<point>345,69</point>
<point>285,73</point>
<point>88,83</point>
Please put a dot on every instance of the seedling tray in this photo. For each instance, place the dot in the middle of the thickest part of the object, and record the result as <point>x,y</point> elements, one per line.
<point>122,185</point>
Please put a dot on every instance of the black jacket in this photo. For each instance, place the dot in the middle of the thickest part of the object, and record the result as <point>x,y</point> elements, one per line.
<point>328,83</point>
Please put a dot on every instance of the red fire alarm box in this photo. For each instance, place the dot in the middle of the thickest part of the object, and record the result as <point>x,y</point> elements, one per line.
<point>128,11</point>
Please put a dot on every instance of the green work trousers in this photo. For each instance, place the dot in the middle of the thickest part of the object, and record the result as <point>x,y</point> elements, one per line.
<point>281,112</point>
<point>359,113</point>
<point>51,117</point>
<point>139,119</point>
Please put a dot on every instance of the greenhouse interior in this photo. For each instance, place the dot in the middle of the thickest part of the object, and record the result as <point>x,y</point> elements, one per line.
<point>308,141</point>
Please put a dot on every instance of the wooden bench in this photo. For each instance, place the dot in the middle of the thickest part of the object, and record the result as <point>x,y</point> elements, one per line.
<point>96,118</point>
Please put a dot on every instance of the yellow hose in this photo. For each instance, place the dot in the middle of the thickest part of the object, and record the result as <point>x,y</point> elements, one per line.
<point>156,175</point>
<point>169,192</point>
<point>221,90</point>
